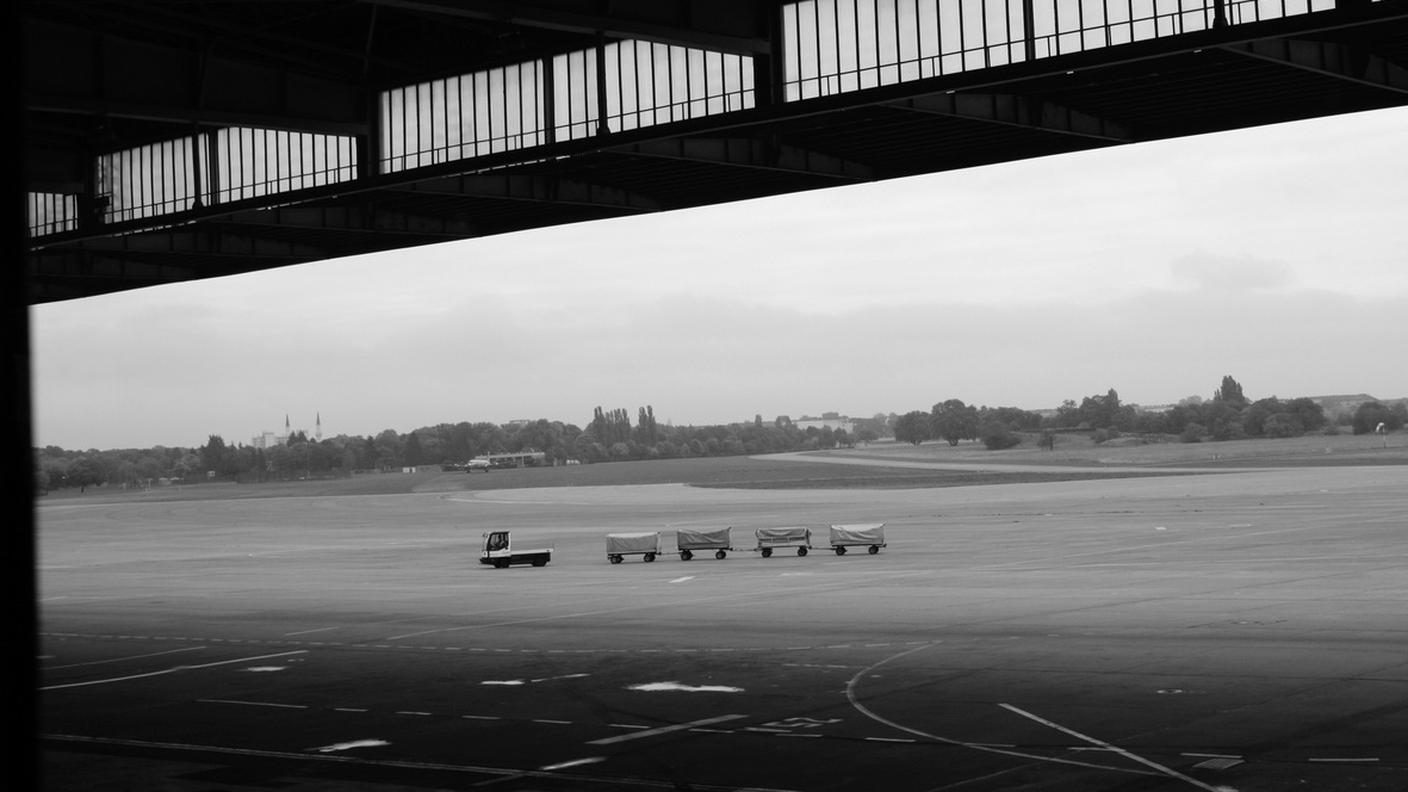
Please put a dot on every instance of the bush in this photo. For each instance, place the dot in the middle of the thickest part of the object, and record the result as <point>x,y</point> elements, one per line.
<point>997,437</point>
<point>1193,433</point>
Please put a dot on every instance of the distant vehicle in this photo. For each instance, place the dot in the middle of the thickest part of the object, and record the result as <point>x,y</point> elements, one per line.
<point>478,463</point>
<point>720,540</point>
<point>868,535</point>
<point>499,552</point>
<point>770,539</point>
<point>644,543</point>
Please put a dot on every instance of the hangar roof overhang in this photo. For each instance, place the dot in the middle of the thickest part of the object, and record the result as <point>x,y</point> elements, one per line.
<point>104,76</point>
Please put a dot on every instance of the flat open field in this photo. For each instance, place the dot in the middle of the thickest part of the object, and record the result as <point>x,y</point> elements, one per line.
<point>1241,629</point>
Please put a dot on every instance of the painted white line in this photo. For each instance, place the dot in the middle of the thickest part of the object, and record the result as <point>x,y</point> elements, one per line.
<point>996,749</point>
<point>891,740</point>
<point>553,722</point>
<point>683,579</point>
<point>676,687</point>
<point>345,746</point>
<point>1212,755</point>
<point>501,773</point>
<point>664,730</point>
<point>349,709</point>
<point>573,763</point>
<point>481,717</point>
<point>309,632</point>
<point>411,712</point>
<point>627,726</point>
<point>273,704</point>
<point>1168,771</point>
<point>170,671</point>
<point>129,657</point>
<point>1344,759</point>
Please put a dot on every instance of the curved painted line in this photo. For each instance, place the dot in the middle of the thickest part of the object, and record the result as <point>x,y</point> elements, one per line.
<point>862,709</point>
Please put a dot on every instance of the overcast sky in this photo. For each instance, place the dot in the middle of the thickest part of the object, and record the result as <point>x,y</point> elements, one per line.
<point>1278,255</point>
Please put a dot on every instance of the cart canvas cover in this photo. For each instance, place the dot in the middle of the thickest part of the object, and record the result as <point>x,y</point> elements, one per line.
<point>867,534</point>
<point>782,535</point>
<point>647,542</point>
<point>703,538</point>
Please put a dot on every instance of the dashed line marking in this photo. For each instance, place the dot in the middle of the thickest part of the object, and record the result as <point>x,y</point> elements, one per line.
<point>890,739</point>
<point>552,722</point>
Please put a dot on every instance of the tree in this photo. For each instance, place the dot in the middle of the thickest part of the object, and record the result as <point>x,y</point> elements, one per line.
<point>1231,393</point>
<point>412,452</point>
<point>1369,415</point>
<point>912,427</point>
<point>953,420</point>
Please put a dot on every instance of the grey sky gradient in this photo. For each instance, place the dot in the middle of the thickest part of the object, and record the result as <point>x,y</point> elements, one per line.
<point>1278,255</point>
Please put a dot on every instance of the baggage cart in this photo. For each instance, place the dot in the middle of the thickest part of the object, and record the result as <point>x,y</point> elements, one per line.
<point>644,543</point>
<point>770,539</point>
<point>871,535</point>
<point>691,540</point>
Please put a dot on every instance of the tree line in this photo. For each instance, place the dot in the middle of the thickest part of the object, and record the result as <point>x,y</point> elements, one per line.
<point>611,436</point>
<point>1228,415</point>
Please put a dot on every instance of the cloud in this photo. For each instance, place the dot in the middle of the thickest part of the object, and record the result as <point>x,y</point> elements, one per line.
<point>1212,272</point>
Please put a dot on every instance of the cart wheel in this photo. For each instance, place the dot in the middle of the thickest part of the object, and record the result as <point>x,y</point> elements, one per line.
<point>686,554</point>
<point>801,551</point>
<point>841,550</point>
<point>649,557</point>
<point>540,562</point>
<point>720,554</point>
<point>500,563</point>
<point>767,552</point>
<point>874,549</point>
<point>615,559</point>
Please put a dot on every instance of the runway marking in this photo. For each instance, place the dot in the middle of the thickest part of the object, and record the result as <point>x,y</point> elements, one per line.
<point>985,747</point>
<point>664,730</point>
<point>347,746</point>
<point>503,773</point>
<point>272,704</point>
<point>552,722</point>
<point>411,712</point>
<point>683,579</point>
<point>908,740</point>
<point>129,657</point>
<point>169,671</point>
<point>673,687</point>
<point>1168,771</point>
<point>307,632</point>
<point>1343,759</point>
<point>350,709</point>
<point>573,763</point>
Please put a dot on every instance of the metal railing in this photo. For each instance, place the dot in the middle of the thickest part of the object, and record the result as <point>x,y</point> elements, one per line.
<point>827,47</point>
<point>836,46</point>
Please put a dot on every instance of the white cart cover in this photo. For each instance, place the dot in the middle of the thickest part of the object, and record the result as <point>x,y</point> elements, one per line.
<point>785,537</point>
<point>862,534</point>
<point>703,538</point>
<point>621,543</point>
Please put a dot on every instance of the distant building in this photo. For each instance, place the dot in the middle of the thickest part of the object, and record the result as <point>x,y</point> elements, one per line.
<point>830,421</point>
<point>267,439</point>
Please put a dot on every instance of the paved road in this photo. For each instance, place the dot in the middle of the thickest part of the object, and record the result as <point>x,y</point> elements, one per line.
<point>1239,631</point>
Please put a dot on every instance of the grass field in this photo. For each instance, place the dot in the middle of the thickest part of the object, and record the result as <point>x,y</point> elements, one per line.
<point>1075,458</point>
